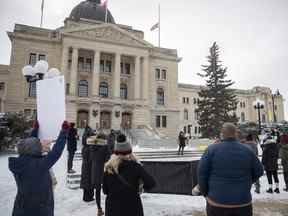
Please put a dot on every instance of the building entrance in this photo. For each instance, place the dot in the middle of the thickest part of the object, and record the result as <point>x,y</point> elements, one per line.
<point>105,120</point>
<point>126,120</point>
<point>83,118</point>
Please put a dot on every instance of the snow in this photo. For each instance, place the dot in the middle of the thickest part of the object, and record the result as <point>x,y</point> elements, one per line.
<point>69,202</point>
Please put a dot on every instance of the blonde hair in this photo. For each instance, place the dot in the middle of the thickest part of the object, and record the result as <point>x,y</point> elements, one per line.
<point>113,164</point>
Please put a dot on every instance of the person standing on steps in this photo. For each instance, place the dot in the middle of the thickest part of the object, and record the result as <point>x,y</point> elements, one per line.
<point>71,146</point>
<point>181,143</point>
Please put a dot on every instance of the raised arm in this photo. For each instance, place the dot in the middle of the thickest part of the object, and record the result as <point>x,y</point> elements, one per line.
<point>56,152</point>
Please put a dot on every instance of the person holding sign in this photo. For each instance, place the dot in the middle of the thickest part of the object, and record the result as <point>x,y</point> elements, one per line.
<point>32,176</point>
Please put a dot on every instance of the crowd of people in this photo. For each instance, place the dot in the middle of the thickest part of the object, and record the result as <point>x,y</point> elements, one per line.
<point>226,171</point>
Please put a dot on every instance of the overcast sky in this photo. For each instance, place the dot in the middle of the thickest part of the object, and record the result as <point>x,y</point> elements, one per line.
<point>252,34</point>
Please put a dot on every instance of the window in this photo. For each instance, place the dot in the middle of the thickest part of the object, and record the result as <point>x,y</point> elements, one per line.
<point>243,117</point>
<point>123,91</point>
<point>185,129</point>
<point>83,88</point>
<point>164,121</point>
<point>164,72</point>
<point>32,89</point>
<point>102,66</point>
<point>196,130</point>
<point>160,96</point>
<point>198,101</point>
<point>194,100</point>
<point>196,115</point>
<point>189,129</point>
<point>88,65</point>
<point>161,121</point>
<point>275,107</point>
<point>103,90</point>
<point>183,100</point>
<point>263,118</point>
<point>67,89</point>
<point>199,130</point>
<point>186,114</point>
<point>42,57</point>
<point>244,105</point>
<point>32,59</point>
<point>108,66</point>
<point>127,68</point>
<point>80,63</point>
<point>187,100</point>
<point>2,86</point>
<point>158,74</point>
<point>158,121</point>
<point>27,112</point>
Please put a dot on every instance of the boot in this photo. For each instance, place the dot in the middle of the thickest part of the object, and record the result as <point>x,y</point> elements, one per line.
<point>269,190</point>
<point>257,190</point>
<point>277,190</point>
<point>100,212</point>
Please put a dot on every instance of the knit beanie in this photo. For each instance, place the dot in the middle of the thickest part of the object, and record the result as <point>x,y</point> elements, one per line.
<point>122,147</point>
<point>29,146</point>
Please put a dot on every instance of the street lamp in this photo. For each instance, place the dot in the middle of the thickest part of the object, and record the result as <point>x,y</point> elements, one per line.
<point>273,104</point>
<point>258,105</point>
<point>39,72</point>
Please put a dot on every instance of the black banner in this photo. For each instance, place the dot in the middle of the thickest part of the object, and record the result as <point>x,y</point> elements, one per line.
<point>173,177</point>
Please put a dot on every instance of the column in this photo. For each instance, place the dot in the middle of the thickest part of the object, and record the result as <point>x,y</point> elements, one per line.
<point>96,74</point>
<point>146,77</point>
<point>74,72</point>
<point>116,76</point>
<point>137,78</point>
<point>64,63</point>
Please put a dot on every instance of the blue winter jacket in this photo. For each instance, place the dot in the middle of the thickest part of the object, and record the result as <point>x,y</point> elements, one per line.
<point>34,185</point>
<point>227,171</point>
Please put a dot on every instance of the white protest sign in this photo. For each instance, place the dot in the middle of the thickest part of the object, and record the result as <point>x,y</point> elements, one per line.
<point>50,106</point>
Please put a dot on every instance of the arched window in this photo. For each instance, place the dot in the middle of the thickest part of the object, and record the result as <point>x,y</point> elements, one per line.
<point>103,89</point>
<point>32,89</point>
<point>123,91</point>
<point>160,96</point>
<point>186,115</point>
<point>83,88</point>
<point>243,117</point>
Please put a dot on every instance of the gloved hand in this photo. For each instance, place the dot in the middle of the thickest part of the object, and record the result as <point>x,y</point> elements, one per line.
<point>35,124</point>
<point>65,125</point>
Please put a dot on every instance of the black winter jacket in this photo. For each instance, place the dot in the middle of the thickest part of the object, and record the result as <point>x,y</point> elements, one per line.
<point>270,157</point>
<point>34,195</point>
<point>123,199</point>
<point>72,140</point>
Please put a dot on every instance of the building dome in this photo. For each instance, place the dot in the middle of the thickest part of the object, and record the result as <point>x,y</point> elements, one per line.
<point>91,9</point>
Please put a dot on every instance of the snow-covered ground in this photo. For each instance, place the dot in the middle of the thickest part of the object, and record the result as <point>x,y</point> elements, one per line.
<point>69,202</point>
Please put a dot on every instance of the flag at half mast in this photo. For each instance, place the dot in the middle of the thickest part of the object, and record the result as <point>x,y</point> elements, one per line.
<point>156,26</point>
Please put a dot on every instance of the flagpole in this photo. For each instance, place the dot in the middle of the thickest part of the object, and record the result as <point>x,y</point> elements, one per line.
<point>106,12</point>
<point>42,12</point>
<point>159,30</point>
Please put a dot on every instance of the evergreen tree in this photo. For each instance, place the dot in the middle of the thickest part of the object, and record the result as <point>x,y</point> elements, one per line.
<point>218,101</point>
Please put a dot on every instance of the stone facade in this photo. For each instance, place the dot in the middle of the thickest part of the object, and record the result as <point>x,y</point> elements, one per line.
<point>245,109</point>
<point>114,78</point>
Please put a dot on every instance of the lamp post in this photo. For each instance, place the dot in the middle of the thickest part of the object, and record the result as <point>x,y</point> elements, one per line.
<point>258,105</point>
<point>39,72</point>
<point>273,104</point>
